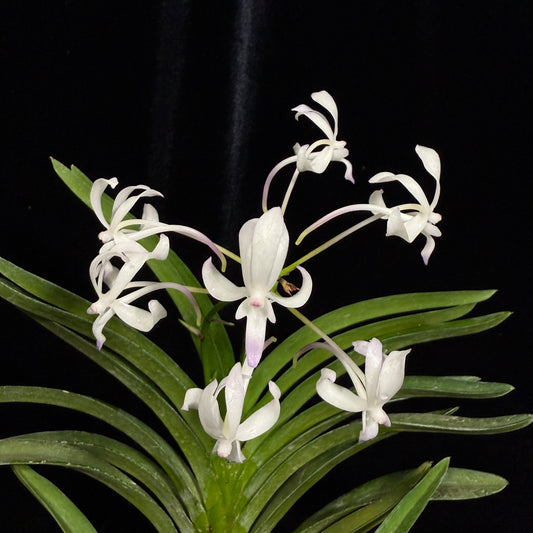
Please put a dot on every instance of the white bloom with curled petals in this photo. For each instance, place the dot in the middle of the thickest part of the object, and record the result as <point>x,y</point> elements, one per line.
<point>384,375</point>
<point>410,220</point>
<point>308,157</point>
<point>230,431</point>
<point>263,244</point>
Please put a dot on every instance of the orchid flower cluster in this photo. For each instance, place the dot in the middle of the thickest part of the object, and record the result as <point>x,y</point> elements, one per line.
<point>263,246</point>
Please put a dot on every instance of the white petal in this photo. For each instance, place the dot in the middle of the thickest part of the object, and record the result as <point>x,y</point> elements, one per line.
<point>396,224</point>
<point>319,161</point>
<point>263,419</point>
<point>415,226</point>
<point>246,237</point>
<point>255,335</point>
<point>98,326</point>
<point>317,118</point>
<point>373,352</point>
<point>428,249</point>
<point>326,100</point>
<point>269,250</point>
<point>338,396</point>
<point>209,412</point>
<point>150,214</point>
<point>123,203</point>
<point>234,394</point>
<point>236,456</point>
<point>301,297</point>
<point>407,181</point>
<point>430,159</point>
<point>391,376</point>
<point>370,428</point>
<point>140,318</point>
<point>192,399</point>
<point>97,190</point>
<point>219,286</point>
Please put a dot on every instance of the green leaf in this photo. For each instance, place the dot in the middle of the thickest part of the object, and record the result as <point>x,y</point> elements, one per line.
<point>145,437</point>
<point>371,500</point>
<point>214,348</point>
<point>68,517</point>
<point>465,484</point>
<point>351,315</point>
<point>438,423</point>
<point>404,515</point>
<point>20,451</point>
<point>451,387</point>
<point>127,459</point>
<point>271,499</point>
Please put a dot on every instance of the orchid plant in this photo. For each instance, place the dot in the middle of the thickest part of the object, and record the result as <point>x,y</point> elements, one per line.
<point>239,461</point>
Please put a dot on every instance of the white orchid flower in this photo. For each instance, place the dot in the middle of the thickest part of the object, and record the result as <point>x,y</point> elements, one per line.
<point>263,244</point>
<point>308,158</point>
<point>384,375</point>
<point>114,302</point>
<point>410,220</point>
<point>317,156</point>
<point>120,228</point>
<point>230,432</point>
<point>406,220</point>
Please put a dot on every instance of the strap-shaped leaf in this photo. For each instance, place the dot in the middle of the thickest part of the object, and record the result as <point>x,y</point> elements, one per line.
<point>366,505</point>
<point>215,343</point>
<point>404,515</point>
<point>188,441</point>
<point>439,423</point>
<point>140,433</point>
<point>382,329</point>
<point>451,387</point>
<point>144,355</point>
<point>348,316</point>
<point>299,474</point>
<point>127,459</point>
<point>67,516</point>
<point>21,451</point>
<point>466,484</point>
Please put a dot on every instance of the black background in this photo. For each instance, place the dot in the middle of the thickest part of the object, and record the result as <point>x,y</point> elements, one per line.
<point>193,99</point>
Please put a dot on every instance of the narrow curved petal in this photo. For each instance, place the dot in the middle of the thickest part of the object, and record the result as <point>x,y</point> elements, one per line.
<point>95,197</point>
<point>391,376</point>
<point>124,203</point>
<point>150,214</point>
<point>326,100</point>
<point>263,419</point>
<point>430,159</point>
<point>349,170</point>
<point>192,399</point>
<point>428,249</point>
<point>256,320</point>
<point>219,286</point>
<point>301,297</point>
<point>316,117</point>
<point>407,181</point>
<point>137,318</point>
<point>338,396</point>
<point>98,326</point>
<point>209,412</point>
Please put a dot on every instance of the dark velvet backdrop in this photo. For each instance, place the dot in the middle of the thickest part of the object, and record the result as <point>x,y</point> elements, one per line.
<point>194,98</point>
